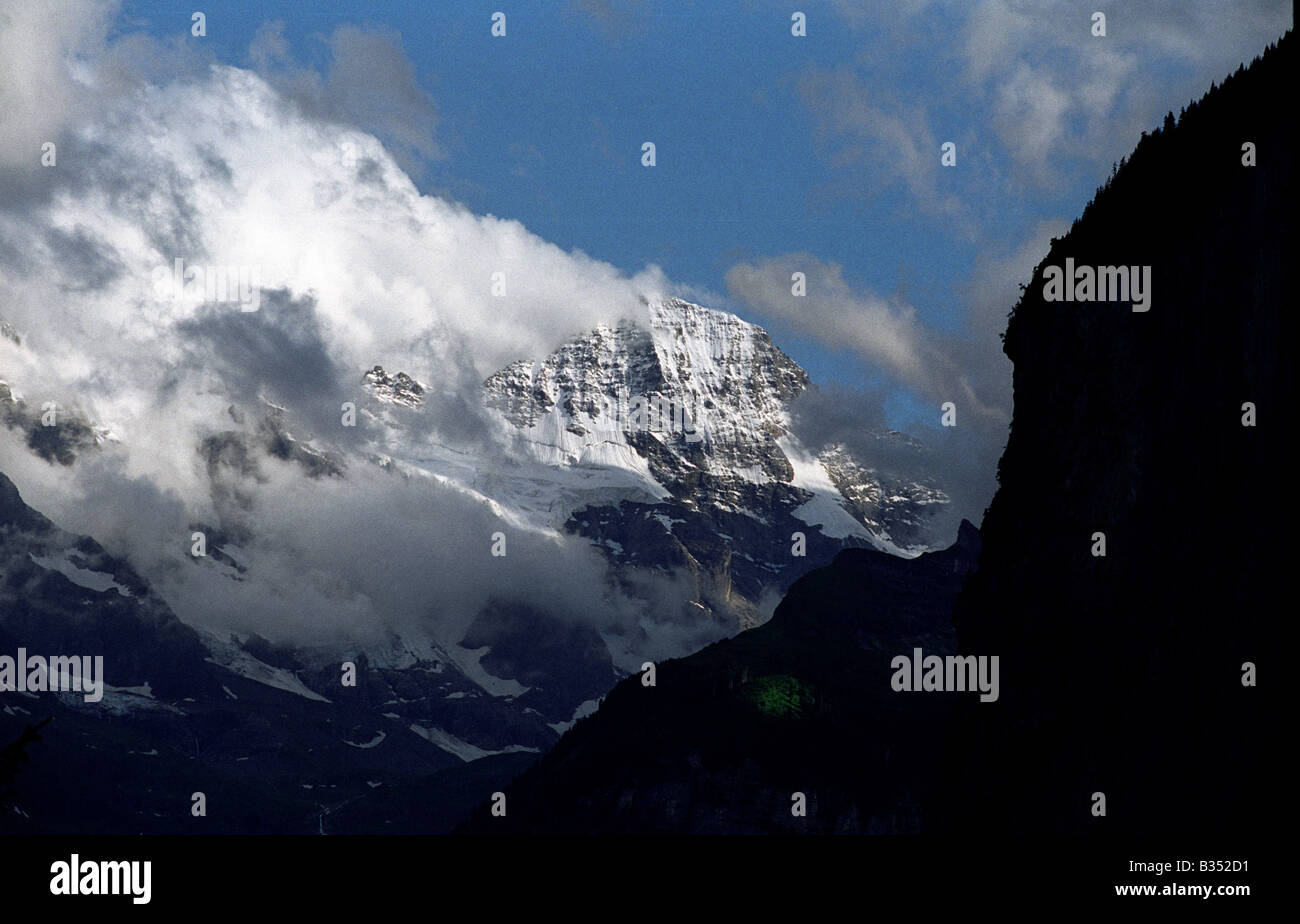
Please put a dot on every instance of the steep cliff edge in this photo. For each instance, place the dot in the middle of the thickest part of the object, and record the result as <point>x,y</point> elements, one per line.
<point>1123,673</point>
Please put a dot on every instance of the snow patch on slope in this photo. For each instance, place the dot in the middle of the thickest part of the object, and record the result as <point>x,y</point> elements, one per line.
<point>372,743</point>
<point>463,749</point>
<point>82,577</point>
<point>237,661</point>
<point>825,508</point>
<point>583,710</point>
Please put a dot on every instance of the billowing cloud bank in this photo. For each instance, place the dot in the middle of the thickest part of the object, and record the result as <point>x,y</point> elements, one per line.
<point>335,263</point>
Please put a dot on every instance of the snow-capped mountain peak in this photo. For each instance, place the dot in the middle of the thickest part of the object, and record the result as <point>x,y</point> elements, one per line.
<point>698,406</point>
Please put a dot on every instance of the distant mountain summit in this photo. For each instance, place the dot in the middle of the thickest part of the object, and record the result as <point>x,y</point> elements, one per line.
<point>694,414</point>
<point>698,406</point>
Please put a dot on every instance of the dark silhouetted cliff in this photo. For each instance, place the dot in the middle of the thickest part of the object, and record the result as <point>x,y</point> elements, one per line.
<point>1123,674</point>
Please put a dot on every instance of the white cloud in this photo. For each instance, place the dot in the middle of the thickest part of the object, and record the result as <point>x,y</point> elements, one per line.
<point>369,82</point>
<point>42,46</point>
<point>1061,95</point>
<point>885,331</point>
<point>875,128</point>
<point>1030,117</point>
<point>1054,95</point>
<point>356,267</point>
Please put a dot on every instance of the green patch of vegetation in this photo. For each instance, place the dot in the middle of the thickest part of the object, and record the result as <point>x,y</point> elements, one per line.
<point>779,695</point>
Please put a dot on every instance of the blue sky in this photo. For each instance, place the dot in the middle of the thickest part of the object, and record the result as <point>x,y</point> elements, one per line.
<point>770,145</point>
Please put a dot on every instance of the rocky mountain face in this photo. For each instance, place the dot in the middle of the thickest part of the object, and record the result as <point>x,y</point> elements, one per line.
<point>53,435</point>
<point>717,388</point>
<point>696,412</point>
<point>1123,673</point>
